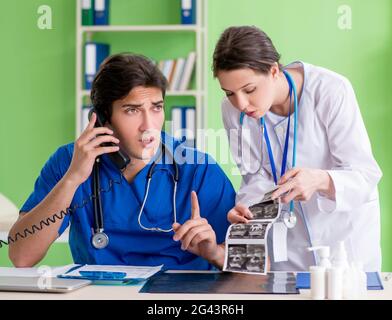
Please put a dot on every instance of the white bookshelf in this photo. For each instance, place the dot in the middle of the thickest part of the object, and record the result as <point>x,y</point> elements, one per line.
<point>193,93</point>
<point>200,31</point>
<point>139,28</point>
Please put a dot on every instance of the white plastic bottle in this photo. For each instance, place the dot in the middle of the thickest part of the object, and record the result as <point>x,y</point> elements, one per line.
<point>340,277</point>
<point>335,283</point>
<point>317,282</point>
<point>340,259</point>
<point>350,278</point>
<point>349,284</point>
<point>323,252</point>
<point>361,280</point>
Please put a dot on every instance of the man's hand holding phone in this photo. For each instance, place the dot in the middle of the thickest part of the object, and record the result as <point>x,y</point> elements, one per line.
<point>87,148</point>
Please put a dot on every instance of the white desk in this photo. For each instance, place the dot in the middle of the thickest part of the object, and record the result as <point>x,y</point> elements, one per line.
<point>131,293</point>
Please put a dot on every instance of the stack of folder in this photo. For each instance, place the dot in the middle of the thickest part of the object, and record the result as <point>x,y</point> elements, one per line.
<point>95,12</point>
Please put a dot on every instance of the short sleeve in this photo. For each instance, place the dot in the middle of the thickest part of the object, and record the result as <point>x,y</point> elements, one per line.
<point>52,172</point>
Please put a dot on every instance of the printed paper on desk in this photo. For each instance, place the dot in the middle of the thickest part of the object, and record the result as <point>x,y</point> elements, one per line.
<point>246,243</point>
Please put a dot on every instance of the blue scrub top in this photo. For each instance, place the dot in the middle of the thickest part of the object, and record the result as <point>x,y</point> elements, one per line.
<point>121,201</point>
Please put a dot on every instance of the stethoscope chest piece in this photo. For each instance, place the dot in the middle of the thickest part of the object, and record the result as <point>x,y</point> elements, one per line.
<point>289,219</point>
<point>100,240</point>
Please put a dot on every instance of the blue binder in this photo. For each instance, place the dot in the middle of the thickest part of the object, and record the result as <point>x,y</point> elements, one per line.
<point>189,124</point>
<point>101,12</point>
<point>187,115</point>
<point>188,11</point>
<point>95,53</point>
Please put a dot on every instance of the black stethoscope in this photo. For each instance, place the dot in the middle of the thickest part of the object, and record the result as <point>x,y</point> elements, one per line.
<point>100,239</point>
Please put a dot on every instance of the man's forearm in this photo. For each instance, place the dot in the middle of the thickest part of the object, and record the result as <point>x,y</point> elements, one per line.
<point>219,258</point>
<point>26,252</point>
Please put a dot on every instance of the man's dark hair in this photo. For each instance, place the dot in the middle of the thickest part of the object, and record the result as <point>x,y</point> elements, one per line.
<point>118,75</point>
<point>244,47</point>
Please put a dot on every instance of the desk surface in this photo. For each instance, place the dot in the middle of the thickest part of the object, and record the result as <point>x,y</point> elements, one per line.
<point>95,292</point>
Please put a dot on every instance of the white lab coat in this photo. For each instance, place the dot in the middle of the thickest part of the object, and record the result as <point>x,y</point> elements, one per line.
<point>331,136</point>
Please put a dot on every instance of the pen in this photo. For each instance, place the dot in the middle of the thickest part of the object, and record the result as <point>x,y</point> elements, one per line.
<point>99,275</point>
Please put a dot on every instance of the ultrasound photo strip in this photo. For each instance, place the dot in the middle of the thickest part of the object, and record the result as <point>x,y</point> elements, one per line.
<point>246,243</point>
<point>246,258</point>
<point>252,230</point>
<point>246,248</point>
<point>268,210</point>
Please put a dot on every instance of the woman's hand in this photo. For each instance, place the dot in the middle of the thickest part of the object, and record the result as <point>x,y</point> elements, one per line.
<point>239,214</point>
<point>87,147</point>
<point>301,183</point>
<point>198,237</point>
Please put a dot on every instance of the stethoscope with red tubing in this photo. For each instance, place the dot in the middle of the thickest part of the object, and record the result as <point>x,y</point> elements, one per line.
<point>289,218</point>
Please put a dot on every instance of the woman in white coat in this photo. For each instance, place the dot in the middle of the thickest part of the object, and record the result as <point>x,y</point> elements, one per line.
<point>333,184</point>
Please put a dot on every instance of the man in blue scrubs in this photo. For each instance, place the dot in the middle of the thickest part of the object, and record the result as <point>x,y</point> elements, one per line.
<point>128,94</point>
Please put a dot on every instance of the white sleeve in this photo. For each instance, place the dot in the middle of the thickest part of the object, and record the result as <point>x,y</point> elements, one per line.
<point>253,188</point>
<point>356,173</point>
<point>253,184</point>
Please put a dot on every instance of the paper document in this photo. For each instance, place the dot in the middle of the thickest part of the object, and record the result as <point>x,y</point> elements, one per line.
<point>246,243</point>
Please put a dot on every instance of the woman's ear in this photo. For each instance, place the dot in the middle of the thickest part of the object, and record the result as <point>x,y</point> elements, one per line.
<point>275,70</point>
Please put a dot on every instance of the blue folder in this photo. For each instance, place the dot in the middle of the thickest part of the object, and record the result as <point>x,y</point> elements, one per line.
<point>373,281</point>
<point>95,53</point>
<point>188,11</point>
<point>101,12</point>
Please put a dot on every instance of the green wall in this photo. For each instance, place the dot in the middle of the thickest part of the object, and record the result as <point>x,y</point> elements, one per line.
<point>37,95</point>
<point>37,86</point>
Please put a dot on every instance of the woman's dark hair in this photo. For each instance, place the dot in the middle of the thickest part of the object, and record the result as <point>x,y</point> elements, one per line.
<point>244,47</point>
<point>118,75</point>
